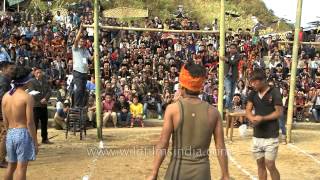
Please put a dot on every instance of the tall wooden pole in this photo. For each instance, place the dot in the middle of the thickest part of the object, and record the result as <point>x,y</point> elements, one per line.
<point>154,29</point>
<point>294,70</point>
<point>221,58</point>
<point>291,42</point>
<point>97,68</point>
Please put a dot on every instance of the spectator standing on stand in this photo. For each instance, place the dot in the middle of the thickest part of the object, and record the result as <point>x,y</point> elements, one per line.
<point>231,74</point>
<point>81,56</point>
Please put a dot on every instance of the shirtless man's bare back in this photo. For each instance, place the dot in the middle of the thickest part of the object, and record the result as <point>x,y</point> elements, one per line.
<point>190,123</point>
<point>21,142</point>
<point>6,72</point>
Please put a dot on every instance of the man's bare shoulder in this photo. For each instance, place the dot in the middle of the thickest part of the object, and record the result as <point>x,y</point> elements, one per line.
<point>5,97</point>
<point>172,113</point>
<point>173,107</point>
<point>21,95</point>
<point>24,94</point>
<point>29,97</point>
<point>214,112</point>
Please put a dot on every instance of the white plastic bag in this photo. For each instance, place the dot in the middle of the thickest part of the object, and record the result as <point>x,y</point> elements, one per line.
<point>243,130</point>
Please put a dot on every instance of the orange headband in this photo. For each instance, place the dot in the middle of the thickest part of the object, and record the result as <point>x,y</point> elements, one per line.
<point>191,83</point>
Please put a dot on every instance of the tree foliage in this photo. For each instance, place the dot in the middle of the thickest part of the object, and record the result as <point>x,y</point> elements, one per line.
<point>205,11</point>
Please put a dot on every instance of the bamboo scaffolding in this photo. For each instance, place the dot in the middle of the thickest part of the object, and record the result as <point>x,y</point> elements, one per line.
<point>292,42</point>
<point>153,29</point>
<point>294,70</point>
<point>221,58</point>
<point>97,69</point>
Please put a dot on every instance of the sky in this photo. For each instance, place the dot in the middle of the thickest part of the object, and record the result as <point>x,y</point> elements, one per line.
<point>287,9</point>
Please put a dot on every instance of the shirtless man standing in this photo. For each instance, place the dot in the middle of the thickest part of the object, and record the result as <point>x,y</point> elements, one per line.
<point>21,142</point>
<point>6,71</point>
<point>190,123</point>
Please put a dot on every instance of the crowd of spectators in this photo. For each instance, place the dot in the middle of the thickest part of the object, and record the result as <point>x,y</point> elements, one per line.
<point>139,70</point>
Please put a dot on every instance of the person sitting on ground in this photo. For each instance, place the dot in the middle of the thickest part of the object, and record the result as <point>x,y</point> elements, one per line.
<point>299,105</point>
<point>109,110</point>
<point>316,107</point>
<point>61,114</point>
<point>92,110</point>
<point>136,110</point>
<point>91,86</point>
<point>123,111</point>
<point>154,100</point>
<point>237,107</point>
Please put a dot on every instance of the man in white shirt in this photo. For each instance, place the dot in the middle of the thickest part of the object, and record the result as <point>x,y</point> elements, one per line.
<point>59,18</point>
<point>81,56</point>
<point>177,47</point>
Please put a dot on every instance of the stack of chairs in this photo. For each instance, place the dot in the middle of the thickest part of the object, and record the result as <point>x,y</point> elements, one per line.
<point>76,121</point>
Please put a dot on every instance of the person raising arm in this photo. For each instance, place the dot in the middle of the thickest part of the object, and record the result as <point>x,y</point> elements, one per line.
<point>78,37</point>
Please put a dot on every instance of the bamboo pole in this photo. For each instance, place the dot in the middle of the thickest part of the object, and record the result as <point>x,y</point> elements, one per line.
<point>155,29</point>
<point>292,42</point>
<point>221,58</point>
<point>97,68</point>
<point>294,70</point>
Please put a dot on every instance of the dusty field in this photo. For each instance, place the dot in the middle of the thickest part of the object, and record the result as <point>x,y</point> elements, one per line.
<point>129,157</point>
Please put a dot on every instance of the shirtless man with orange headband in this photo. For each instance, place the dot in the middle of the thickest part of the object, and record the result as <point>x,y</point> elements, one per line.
<point>191,123</point>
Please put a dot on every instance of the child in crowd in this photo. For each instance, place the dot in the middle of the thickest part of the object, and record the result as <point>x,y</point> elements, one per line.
<point>136,110</point>
<point>108,106</point>
<point>300,102</point>
<point>214,97</point>
<point>237,107</point>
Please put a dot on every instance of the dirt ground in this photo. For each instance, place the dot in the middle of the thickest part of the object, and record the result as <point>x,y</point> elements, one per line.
<point>129,156</point>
